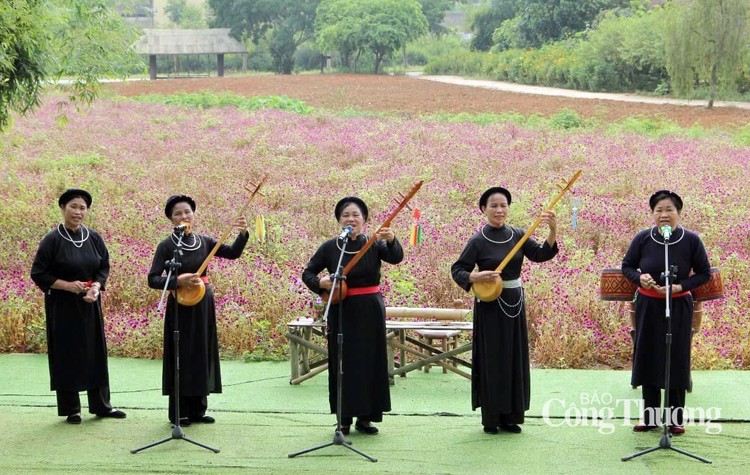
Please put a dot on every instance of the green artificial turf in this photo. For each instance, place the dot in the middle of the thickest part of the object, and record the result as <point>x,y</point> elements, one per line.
<point>261,418</point>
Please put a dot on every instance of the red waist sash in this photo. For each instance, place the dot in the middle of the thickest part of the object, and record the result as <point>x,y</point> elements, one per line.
<point>657,295</point>
<point>373,289</point>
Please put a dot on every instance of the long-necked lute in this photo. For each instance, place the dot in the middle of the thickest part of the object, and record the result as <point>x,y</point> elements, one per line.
<point>489,291</point>
<point>401,204</point>
<point>193,294</point>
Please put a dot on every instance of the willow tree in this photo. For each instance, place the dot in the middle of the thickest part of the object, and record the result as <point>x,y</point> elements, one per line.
<point>43,41</point>
<point>705,42</point>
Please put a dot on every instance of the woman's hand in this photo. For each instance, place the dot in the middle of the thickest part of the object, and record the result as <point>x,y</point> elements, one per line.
<point>484,276</point>
<point>76,287</point>
<point>241,224</point>
<point>549,219</point>
<point>646,281</point>
<point>93,293</point>
<point>325,283</point>
<point>387,234</point>
<point>188,280</point>
<point>662,289</point>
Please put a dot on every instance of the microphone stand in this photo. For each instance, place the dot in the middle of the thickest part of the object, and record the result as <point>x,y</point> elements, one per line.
<point>173,265</point>
<point>666,442</point>
<point>338,436</point>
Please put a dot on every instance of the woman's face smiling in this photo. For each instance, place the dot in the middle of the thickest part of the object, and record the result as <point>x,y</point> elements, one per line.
<point>74,212</point>
<point>496,210</point>
<point>352,216</point>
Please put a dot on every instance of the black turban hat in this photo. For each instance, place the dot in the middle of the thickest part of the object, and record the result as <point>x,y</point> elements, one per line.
<point>495,189</point>
<point>173,200</point>
<point>662,194</point>
<point>71,193</point>
<point>343,202</point>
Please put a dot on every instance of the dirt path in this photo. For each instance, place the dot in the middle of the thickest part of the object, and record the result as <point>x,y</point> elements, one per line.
<point>572,93</point>
<point>413,97</point>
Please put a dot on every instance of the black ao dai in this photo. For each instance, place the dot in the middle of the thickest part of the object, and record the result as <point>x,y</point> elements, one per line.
<point>646,255</point>
<point>500,376</point>
<point>76,346</point>
<point>200,373</point>
<point>366,391</point>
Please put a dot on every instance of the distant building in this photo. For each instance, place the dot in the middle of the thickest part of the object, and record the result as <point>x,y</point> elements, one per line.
<point>148,13</point>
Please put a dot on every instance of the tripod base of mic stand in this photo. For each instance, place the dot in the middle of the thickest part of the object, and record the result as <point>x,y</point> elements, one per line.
<point>338,439</point>
<point>665,443</point>
<point>177,434</point>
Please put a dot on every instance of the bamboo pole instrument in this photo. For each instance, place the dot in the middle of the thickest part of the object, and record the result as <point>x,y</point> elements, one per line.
<point>193,294</point>
<point>489,291</point>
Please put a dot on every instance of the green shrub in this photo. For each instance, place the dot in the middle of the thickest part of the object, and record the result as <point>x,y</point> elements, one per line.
<point>206,99</point>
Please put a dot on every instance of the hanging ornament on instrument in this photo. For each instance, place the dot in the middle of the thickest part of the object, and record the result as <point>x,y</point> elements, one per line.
<point>576,207</point>
<point>415,236</point>
<point>260,228</point>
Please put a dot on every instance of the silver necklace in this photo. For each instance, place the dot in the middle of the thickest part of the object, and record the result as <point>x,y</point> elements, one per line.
<point>497,242</point>
<point>68,237</point>
<point>194,246</point>
<point>661,243</point>
<point>348,252</point>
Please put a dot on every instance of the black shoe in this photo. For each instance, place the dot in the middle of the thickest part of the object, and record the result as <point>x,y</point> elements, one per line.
<point>345,430</point>
<point>74,419</point>
<point>204,419</point>
<point>366,427</point>
<point>490,430</point>
<point>114,413</point>
<point>512,428</point>
<point>184,421</point>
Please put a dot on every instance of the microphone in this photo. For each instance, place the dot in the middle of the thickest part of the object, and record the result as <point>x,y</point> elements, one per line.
<point>345,232</point>
<point>666,231</point>
<point>180,229</point>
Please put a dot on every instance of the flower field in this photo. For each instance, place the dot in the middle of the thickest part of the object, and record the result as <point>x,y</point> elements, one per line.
<point>131,155</point>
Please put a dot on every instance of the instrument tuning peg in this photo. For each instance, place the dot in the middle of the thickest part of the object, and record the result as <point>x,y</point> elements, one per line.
<point>398,202</point>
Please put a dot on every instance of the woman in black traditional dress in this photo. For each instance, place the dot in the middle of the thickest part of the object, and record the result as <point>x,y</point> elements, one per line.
<point>500,375</point>
<point>644,265</point>
<point>71,267</point>
<point>366,392</point>
<point>199,345</point>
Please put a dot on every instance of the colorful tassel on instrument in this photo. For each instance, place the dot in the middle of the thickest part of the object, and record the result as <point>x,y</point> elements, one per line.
<point>415,236</point>
<point>260,228</point>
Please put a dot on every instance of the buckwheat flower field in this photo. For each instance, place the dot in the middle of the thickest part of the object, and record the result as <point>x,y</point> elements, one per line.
<point>132,155</point>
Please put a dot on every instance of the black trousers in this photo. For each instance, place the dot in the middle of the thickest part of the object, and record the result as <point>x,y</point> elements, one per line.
<point>652,406</point>
<point>496,420</point>
<point>69,403</point>
<point>192,407</point>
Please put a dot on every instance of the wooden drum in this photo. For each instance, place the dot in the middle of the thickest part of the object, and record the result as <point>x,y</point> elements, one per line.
<point>713,289</point>
<point>614,286</point>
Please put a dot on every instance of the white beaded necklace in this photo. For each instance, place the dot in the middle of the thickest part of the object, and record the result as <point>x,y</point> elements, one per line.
<point>68,237</point>
<point>194,246</point>
<point>497,242</point>
<point>661,243</point>
<point>349,252</point>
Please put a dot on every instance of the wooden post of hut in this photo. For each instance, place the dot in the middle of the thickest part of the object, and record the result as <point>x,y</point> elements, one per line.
<point>220,64</point>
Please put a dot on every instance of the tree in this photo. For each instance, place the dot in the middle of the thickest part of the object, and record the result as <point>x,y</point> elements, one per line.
<point>434,12</point>
<point>706,41</point>
<point>378,26</point>
<point>285,23</point>
<point>44,40</point>
<point>486,19</point>
<point>184,15</point>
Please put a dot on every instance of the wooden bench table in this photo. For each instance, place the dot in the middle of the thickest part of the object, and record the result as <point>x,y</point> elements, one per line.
<point>309,359</point>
